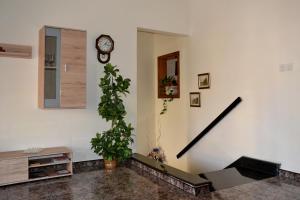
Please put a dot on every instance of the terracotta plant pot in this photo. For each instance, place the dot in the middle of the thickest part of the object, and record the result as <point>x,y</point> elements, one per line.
<point>110,164</point>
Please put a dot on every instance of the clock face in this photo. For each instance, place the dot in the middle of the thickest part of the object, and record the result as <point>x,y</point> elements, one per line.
<point>105,44</point>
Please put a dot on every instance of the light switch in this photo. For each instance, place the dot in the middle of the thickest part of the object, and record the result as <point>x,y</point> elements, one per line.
<point>282,67</point>
<point>286,67</point>
<point>290,67</point>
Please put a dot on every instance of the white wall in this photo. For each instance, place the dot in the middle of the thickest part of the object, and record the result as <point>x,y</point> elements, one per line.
<point>172,125</point>
<point>22,124</point>
<point>146,78</point>
<point>242,43</point>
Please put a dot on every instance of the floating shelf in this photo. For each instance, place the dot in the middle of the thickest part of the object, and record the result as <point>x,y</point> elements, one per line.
<point>15,51</point>
<point>51,68</point>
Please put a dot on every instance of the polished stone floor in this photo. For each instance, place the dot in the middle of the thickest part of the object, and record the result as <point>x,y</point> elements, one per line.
<point>127,184</point>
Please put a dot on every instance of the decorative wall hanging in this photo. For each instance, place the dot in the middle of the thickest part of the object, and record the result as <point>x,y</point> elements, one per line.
<point>104,46</point>
<point>203,81</point>
<point>168,74</point>
<point>195,100</point>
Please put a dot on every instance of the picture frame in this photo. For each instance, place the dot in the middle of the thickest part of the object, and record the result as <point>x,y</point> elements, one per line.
<point>195,99</point>
<point>204,81</point>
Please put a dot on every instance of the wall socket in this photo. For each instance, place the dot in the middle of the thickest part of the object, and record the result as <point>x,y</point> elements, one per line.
<point>286,67</point>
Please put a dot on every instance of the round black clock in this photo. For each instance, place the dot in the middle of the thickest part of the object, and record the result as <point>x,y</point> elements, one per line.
<point>104,46</point>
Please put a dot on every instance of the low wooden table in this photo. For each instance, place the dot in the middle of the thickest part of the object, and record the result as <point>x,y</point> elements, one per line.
<point>19,167</point>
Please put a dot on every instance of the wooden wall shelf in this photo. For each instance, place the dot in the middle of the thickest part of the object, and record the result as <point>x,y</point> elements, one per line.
<point>15,51</point>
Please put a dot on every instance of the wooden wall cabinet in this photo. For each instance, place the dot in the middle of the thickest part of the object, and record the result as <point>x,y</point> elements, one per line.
<point>62,68</point>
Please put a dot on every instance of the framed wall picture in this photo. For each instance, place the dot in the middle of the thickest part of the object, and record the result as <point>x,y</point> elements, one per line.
<point>195,100</point>
<point>203,81</point>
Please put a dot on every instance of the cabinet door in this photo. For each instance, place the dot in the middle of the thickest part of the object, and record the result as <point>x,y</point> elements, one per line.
<point>73,69</point>
<point>13,170</point>
<point>41,70</point>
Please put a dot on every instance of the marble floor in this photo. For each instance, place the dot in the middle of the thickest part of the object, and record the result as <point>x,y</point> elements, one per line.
<point>128,184</point>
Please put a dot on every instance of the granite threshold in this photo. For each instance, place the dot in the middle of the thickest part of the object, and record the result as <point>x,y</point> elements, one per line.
<point>190,183</point>
<point>289,175</point>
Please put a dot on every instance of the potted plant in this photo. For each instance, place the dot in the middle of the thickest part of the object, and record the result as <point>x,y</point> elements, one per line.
<point>114,144</point>
<point>169,85</point>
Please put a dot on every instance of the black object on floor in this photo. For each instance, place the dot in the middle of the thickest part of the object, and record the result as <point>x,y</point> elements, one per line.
<point>248,166</point>
<point>244,170</point>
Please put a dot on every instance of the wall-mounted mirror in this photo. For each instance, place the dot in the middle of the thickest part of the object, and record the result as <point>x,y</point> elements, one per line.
<point>169,75</point>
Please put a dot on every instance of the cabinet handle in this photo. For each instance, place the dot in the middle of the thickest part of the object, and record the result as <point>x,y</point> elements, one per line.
<point>66,68</point>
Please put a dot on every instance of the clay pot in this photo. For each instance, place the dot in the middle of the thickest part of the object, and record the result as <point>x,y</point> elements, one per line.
<point>110,164</point>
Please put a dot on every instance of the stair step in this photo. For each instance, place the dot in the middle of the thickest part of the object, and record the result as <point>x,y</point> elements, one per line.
<point>231,177</point>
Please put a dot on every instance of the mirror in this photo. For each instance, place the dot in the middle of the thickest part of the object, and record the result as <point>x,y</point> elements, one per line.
<point>169,75</point>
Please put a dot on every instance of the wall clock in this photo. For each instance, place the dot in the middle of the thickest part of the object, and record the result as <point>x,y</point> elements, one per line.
<point>104,46</point>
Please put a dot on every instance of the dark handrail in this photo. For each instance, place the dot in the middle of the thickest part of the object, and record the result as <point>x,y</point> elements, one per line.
<point>210,126</point>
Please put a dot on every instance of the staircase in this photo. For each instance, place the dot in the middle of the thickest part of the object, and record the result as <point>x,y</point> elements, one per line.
<point>244,170</point>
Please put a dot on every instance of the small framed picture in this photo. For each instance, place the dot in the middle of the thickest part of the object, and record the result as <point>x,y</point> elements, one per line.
<point>203,81</point>
<point>195,100</point>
